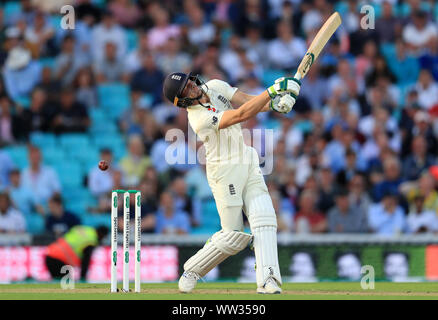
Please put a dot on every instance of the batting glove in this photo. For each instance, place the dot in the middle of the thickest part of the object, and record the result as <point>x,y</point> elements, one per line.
<point>285,85</point>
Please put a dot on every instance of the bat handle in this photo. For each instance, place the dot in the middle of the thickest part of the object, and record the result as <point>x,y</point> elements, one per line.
<point>297,76</point>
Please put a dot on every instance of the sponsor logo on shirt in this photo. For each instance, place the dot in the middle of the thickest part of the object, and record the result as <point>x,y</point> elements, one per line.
<point>223,99</point>
<point>232,189</point>
<point>214,120</point>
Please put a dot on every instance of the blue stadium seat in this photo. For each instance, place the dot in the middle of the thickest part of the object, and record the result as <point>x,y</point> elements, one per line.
<point>19,155</point>
<point>132,39</point>
<point>104,127</point>
<point>43,140</point>
<point>96,220</point>
<point>23,102</point>
<point>114,98</point>
<point>269,76</point>
<point>70,173</point>
<point>35,223</point>
<point>47,62</point>
<point>53,155</point>
<point>11,8</point>
<point>74,142</point>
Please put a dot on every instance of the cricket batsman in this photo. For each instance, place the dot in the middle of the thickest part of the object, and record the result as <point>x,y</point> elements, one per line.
<point>233,172</point>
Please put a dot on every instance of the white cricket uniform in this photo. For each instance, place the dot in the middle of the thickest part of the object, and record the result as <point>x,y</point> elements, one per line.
<point>232,167</point>
<point>236,180</point>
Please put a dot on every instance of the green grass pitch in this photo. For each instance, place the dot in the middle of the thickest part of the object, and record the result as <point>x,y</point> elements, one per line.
<point>224,291</point>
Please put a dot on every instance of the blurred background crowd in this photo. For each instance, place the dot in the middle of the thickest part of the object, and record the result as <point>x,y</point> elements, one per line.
<point>357,154</point>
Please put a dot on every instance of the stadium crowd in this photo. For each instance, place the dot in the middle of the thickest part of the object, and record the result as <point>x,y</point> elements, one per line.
<point>357,154</point>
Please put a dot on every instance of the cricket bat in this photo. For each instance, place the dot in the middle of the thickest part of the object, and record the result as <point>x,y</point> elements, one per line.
<point>321,39</point>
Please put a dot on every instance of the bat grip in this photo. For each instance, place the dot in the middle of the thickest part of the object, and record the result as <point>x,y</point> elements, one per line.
<point>297,76</point>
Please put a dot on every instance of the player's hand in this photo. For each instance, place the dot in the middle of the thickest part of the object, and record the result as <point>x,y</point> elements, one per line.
<point>285,85</point>
<point>283,103</point>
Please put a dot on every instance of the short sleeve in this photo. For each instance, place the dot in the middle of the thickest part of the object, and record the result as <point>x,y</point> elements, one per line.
<point>223,87</point>
<point>205,119</point>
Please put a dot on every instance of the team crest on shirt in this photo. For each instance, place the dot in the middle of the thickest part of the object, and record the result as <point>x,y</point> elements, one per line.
<point>214,120</point>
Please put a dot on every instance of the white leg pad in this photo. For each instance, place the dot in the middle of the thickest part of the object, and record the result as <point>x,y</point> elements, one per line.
<point>263,222</point>
<point>219,247</point>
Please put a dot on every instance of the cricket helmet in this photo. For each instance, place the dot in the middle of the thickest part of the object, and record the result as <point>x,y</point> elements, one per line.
<point>174,85</point>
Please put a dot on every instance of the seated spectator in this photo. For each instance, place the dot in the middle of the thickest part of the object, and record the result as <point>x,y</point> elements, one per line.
<point>404,66</point>
<point>133,60</point>
<point>307,219</point>
<point>20,73</point>
<point>344,218</point>
<point>22,196</point>
<point>418,160</point>
<point>173,58</point>
<point>68,62</point>
<point>108,31</point>
<point>387,24</point>
<point>110,68</point>
<point>9,123</point>
<point>71,116</point>
<point>11,220</point>
<point>421,220</point>
<point>125,12</point>
<point>286,51</point>
<point>427,90</point>
<point>387,217</point>
<point>85,87</point>
<point>43,180</point>
<point>39,36</point>
<point>359,198</point>
<point>149,205</point>
<point>183,202</point>
<point>135,163</point>
<point>148,79</point>
<point>5,168</point>
<point>100,182</point>
<point>420,32</point>
<point>38,116</point>
<point>162,30</point>
<point>391,180</point>
<point>169,219</point>
<point>59,221</point>
<point>200,32</point>
<point>326,191</point>
<point>424,188</point>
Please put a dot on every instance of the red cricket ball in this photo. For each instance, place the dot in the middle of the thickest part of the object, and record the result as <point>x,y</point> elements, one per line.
<point>103,165</point>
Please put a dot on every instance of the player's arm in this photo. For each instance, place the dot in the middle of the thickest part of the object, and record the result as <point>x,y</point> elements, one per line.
<point>241,97</point>
<point>256,104</point>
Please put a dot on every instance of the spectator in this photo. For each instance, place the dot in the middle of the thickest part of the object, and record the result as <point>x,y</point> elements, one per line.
<point>68,62</point>
<point>148,79</point>
<point>391,180</point>
<point>404,66</point>
<point>421,220</point>
<point>173,58</point>
<point>200,32</point>
<point>22,196</point>
<point>135,163</point>
<point>101,182</point>
<point>59,221</point>
<point>286,51</point>
<point>38,116</point>
<point>359,198</point>
<point>133,61</point>
<point>125,12</point>
<point>149,205</point>
<point>344,218</point>
<point>418,160</point>
<point>84,85</point>
<point>72,116</point>
<point>387,26</point>
<point>9,124</point>
<point>11,220</point>
<point>43,180</point>
<point>424,188</point>
<point>110,68</point>
<point>427,90</point>
<point>39,36</point>
<point>169,219</point>
<point>307,219</point>
<point>5,168</point>
<point>108,31</point>
<point>420,32</point>
<point>183,202</point>
<point>20,74</point>
<point>387,217</point>
<point>161,30</point>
